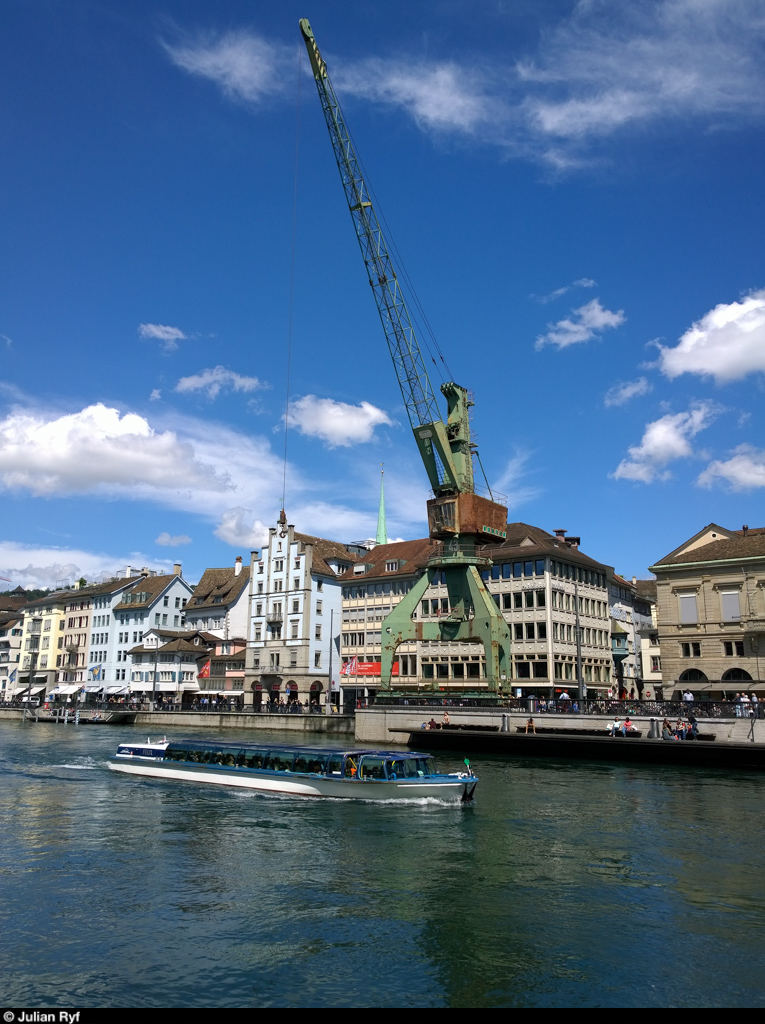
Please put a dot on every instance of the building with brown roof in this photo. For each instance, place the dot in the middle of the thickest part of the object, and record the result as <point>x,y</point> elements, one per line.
<point>711,612</point>
<point>371,588</point>
<point>295,606</point>
<point>536,579</point>
<point>165,664</point>
<point>220,603</point>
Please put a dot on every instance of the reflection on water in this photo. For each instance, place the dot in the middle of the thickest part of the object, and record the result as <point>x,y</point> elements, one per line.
<point>563,885</point>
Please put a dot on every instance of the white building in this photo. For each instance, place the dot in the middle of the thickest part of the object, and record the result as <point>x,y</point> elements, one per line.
<point>122,611</point>
<point>295,615</point>
<point>630,616</point>
<point>11,629</point>
<point>220,604</point>
<point>166,663</point>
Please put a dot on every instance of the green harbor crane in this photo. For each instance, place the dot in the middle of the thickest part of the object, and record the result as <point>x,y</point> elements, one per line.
<point>457,516</point>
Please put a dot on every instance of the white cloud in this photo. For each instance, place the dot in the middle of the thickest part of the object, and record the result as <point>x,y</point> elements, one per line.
<point>664,441</point>
<point>166,541</point>
<point>583,282</point>
<point>743,471</point>
<point>727,343</point>
<point>440,96</point>
<point>36,566</point>
<point>621,393</point>
<point>169,336</point>
<point>585,323</point>
<point>213,381</point>
<point>7,340</point>
<point>337,423</point>
<point>238,527</point>
<point>99,451</point>
<point>510,483</point>
<point>245,65</point>
<point>155,395</point>
<point>601,69</point>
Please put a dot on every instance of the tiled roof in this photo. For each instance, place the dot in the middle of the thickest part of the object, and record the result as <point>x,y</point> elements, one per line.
<point>151,586</point>
<point>517,546</point>
<point>646,589</point>
<point>414,555</point>
<point>223,584</point>
<point>172,646</point>
<point>739,546</point>
<point>324,549</point>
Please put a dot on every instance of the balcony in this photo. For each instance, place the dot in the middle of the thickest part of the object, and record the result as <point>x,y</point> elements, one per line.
<point>275,615</point>
<point>753,625</point>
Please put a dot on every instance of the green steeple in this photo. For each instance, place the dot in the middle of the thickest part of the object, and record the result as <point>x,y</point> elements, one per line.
<point>382,532</point>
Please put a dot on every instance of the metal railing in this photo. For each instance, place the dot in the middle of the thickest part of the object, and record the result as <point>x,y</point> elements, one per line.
<point>537,706</point>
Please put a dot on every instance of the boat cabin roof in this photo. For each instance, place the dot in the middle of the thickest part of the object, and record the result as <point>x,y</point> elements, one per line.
<point>242,745</point>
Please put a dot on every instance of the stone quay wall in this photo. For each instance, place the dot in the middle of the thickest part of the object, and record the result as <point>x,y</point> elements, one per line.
<point>389,725</point>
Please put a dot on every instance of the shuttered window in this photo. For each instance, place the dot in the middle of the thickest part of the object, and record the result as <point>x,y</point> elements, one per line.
<point>688,611</point>
<point>731,610</point>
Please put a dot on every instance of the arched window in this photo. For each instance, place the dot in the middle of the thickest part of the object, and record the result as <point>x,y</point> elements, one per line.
<point>692,675</point>
<point>736,675</point>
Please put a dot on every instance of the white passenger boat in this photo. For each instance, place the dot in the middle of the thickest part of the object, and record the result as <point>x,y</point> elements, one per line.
<point>298,771</point>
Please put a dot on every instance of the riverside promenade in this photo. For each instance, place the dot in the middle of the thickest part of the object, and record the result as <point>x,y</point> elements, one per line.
<point>724,739</point>
<point>310,725</point>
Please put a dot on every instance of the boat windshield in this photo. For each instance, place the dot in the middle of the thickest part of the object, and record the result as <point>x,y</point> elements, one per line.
<point>410,767</point>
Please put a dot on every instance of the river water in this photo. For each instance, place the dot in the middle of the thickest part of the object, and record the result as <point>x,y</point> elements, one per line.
<point>562,885</point>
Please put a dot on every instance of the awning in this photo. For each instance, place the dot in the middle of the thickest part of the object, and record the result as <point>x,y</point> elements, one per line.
<point>36,689</point>
<point>166,687</point>
<point>41,676</point>
<point>189,686</point>
<point>91,689</point>
<point>63,689</point>
<point>116,689</point>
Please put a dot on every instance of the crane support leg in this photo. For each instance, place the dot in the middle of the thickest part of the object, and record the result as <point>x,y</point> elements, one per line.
<point>472,617</point>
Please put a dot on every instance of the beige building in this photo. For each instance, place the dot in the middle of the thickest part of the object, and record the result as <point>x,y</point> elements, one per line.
<point>42,642</point>
<point>371,588</point>
<point>539,580</point>
<point>711,613</point>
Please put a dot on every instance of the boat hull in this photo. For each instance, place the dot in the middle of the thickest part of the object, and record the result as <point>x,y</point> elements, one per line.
<point>449,789</point>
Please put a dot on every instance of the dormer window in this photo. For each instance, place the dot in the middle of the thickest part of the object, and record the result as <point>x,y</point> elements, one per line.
<point>391,566</point>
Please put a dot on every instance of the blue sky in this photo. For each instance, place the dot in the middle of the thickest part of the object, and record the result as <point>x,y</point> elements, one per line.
<point>576,189</point>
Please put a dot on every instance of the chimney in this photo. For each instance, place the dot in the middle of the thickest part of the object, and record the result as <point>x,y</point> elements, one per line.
<point>177,569</point>
<point>745,530</point>
<point>237,565</point>
<point>560,533</point>
<point>128,571</point>
<point>634,581</point>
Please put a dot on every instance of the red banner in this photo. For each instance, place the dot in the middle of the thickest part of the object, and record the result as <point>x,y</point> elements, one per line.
<point>204,672</point>
<point>366,668</point>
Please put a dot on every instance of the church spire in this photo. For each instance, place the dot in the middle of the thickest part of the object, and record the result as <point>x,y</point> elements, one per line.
<point>382,532</point>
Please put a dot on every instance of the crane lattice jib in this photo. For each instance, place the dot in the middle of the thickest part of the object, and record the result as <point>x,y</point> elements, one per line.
<point>413,379</point>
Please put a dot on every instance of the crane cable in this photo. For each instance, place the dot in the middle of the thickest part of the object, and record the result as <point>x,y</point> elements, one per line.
<point>292,281</point>
<point>427,330</point>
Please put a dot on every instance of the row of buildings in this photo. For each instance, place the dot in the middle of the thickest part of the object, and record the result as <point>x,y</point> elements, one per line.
<point>305,617</point>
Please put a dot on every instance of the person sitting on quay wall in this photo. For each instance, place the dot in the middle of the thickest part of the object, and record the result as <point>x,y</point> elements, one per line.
<point>530,725</point>
<point>666,730</point>
<point>615,726</point>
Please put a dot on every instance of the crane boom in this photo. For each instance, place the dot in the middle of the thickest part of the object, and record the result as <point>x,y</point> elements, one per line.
<point>446,449</point>
<point>456,513</point>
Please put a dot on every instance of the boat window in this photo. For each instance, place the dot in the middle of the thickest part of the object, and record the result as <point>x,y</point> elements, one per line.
<point>335,765</point>
<point>280,760</point>
<point>253,758</point>
<point>372,768</point>
<point>316,764</point>
<point>396,769</point>
<point>351,767</point>
<point>301,763</point>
